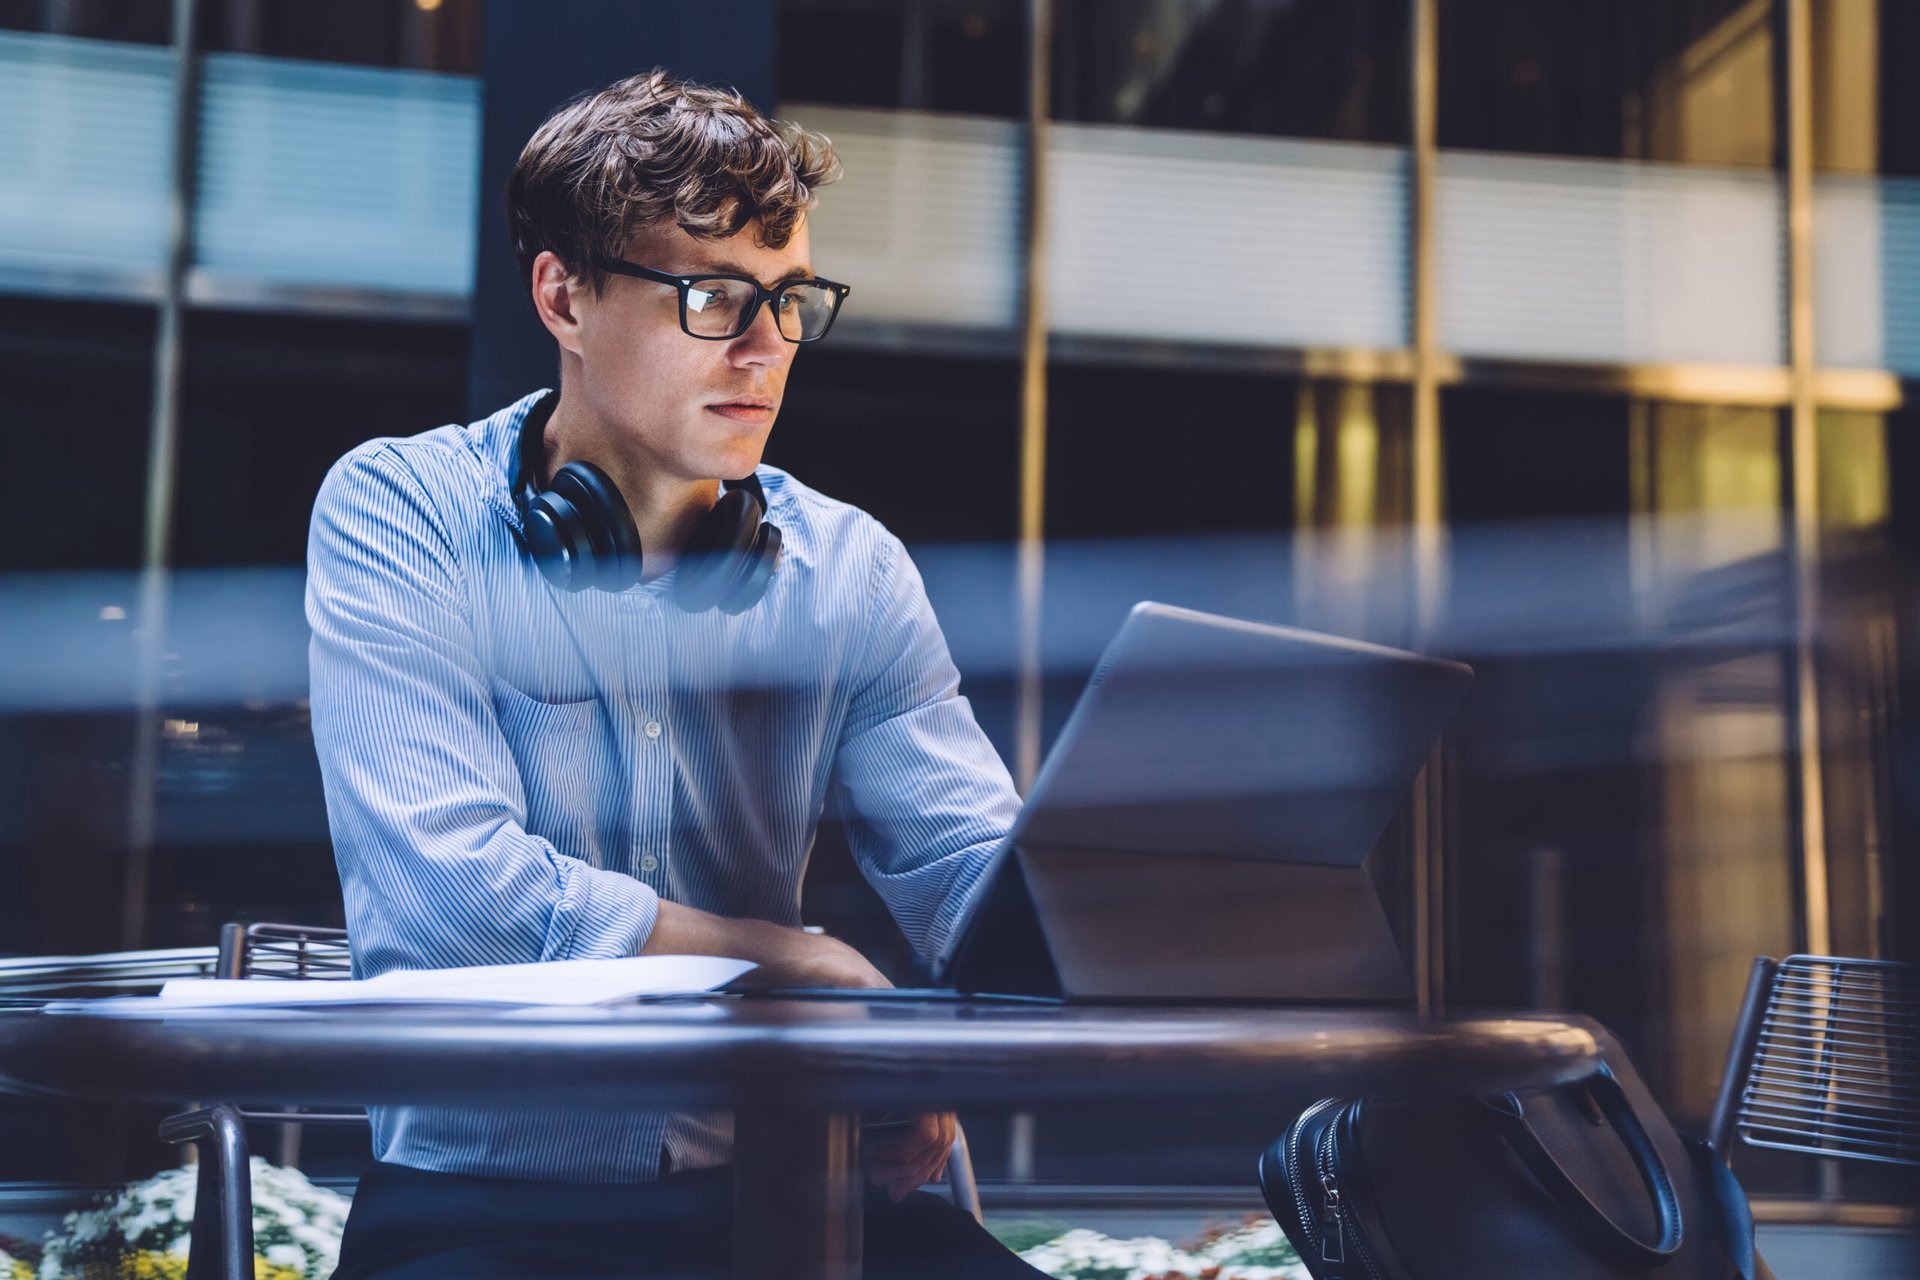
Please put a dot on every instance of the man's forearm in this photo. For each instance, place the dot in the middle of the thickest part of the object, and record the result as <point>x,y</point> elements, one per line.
<point>786,956</point>
<point>688,931</point>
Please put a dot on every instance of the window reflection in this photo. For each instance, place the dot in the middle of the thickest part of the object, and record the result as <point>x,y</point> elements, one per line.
<point>1683,80</point>
<point>132,21</point>
<point>1866,105</point>
<point>961,56</point>
<point>430,35</point>
<point>1305,68</point>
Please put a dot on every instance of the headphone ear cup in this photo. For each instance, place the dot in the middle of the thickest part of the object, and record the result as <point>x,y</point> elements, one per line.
<point>548,523</point>
<point>722,536</point>
<point>754,573</point>
<point>604,524</point>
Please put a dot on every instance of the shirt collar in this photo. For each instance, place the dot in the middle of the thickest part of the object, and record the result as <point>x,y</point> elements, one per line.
<point>496,440</point>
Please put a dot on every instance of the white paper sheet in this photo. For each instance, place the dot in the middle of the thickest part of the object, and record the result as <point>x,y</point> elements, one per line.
<point>554,983</point>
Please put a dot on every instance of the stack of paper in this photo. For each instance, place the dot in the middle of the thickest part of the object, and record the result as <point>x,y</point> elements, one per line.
<point>555,982</point>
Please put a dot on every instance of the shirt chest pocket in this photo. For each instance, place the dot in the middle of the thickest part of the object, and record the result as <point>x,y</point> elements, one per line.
<point>565,754</point>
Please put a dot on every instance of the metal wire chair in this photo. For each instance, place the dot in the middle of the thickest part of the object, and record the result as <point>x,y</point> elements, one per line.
<point>283,951</point>
<point>1825,1060</point>
<point>221,1243</point>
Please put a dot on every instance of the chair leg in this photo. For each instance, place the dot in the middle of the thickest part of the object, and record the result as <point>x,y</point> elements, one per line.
<point>221,1244</point>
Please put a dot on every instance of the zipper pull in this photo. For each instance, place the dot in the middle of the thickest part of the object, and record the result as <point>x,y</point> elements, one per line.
<point>1332,1235</point>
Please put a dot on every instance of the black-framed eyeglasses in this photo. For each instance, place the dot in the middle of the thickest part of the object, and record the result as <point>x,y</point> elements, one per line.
<point>720,306</point>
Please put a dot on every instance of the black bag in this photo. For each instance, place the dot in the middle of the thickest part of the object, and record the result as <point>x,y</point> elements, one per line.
<point>1587,1181</point>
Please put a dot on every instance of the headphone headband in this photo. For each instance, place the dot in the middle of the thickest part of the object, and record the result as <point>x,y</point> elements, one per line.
<point>580,531</point>
<point>532,428</point>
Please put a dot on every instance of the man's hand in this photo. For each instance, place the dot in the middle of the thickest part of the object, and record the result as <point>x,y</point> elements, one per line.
<point>916,1157</point>
<point>785,957</point>
<point>800,959</point>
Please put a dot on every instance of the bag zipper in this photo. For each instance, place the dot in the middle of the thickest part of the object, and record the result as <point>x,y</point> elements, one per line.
<point>1333,1240</point>
<point>1296,1173</point>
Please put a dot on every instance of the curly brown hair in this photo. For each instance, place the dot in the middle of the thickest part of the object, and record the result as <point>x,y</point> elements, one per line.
<point>652,149</point>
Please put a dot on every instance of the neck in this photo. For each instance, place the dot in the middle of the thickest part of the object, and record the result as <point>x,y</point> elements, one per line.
<point>665,507</point>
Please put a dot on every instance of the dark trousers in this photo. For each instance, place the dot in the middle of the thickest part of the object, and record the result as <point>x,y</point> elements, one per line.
<point>408,1224</point>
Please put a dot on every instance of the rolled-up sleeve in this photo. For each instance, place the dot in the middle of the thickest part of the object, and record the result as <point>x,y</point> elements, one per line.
<point>926,798</point>
<point>426,804</point>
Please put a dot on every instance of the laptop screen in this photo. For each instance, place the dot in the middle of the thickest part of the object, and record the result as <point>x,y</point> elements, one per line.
<point>1206,824</point>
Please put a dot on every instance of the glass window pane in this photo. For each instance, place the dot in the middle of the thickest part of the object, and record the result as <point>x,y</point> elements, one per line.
<point>852,415</point>
<point>961,56</point>
<point>332,175</point>
<point>89,125</point>
<point>431,35</point>
<point>924,221</point>
<point>76,388</point>
<point>1305,69</point>
<point>1233,240</point>
<point>1609,261</point>
<point>1865,465</point>
<point>1685,80</point>
<point>271,402</point>
<point>1623,780</point>
<point>1866,104</point>
<point>1607,190</point>
<point>1218,457</point>
<point>133,21</point>
<point>1866,224</point>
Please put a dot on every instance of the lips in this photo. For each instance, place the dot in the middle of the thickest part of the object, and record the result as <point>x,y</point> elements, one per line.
<point>752,410</point>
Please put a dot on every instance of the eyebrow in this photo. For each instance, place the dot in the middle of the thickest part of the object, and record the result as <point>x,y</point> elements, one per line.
<point>736,269</point>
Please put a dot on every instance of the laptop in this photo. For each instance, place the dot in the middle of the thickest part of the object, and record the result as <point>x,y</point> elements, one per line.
<point>1208,824</point>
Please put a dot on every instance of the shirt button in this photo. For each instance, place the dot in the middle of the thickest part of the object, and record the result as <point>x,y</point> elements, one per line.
<point>649,862</point>
<point>653,728</point>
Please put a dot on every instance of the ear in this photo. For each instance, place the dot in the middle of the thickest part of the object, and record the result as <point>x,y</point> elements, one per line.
<point>558,299</point>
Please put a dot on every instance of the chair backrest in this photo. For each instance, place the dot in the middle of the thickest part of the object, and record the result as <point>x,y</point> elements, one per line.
<point>283,951</point>
<point>1826,1061</point>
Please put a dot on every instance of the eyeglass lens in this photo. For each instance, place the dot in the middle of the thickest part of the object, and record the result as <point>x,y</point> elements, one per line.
<point>716,308</point>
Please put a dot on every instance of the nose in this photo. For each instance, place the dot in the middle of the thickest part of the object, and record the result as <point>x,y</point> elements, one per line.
<point>761,344</point>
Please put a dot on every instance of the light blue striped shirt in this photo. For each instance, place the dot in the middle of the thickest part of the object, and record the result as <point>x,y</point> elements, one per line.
<point>514,773</point>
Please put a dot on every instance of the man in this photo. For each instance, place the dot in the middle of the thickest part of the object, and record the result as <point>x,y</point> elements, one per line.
<point>576,694</point>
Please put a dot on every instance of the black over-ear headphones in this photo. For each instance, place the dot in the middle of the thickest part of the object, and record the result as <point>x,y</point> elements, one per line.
<point>581,534</point>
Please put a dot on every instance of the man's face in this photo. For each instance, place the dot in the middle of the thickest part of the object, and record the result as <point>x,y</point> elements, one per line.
<point>689,408</point>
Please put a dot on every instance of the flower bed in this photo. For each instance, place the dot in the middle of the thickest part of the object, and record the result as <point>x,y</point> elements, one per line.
<point>141,1233</point>
<point>1254,1250</point>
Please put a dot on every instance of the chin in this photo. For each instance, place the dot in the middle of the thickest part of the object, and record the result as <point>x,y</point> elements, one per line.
<point>739,455</point>
<point>736,463</point>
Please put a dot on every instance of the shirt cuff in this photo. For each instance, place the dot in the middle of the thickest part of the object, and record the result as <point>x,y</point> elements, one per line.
<point>601,915</point>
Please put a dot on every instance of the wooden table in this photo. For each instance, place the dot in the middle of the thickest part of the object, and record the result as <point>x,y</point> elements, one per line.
<point>797,1073</point>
